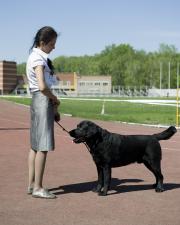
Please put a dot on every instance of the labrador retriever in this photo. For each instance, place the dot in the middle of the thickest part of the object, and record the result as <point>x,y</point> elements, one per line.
<point>110,150</point>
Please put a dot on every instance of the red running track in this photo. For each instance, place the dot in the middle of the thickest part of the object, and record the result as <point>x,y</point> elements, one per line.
<point>71,174</point>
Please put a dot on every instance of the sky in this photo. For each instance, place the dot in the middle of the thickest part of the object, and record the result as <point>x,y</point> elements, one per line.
<point>86,27</point>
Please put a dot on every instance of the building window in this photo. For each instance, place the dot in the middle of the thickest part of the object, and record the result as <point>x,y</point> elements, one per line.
<point>81,83</point>
<point>105,84</point>
<point>89,83</point>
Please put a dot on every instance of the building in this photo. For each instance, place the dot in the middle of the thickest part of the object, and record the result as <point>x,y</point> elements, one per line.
<point>67,81</point>
<point>97,85</point>
<point>22,85</point>
<point>71,83</point>
<point>8,77</point>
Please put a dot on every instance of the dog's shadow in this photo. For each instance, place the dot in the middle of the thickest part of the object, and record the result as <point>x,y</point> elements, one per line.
<point>117,186</point>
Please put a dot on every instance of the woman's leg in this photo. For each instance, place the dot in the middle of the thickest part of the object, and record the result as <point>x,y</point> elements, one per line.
<point>40,161</point>
<point>39,191</point>
<point>31,165</point>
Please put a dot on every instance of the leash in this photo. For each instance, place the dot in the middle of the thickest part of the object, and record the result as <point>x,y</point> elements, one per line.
<point>68,133</point>
<point>62,127</point>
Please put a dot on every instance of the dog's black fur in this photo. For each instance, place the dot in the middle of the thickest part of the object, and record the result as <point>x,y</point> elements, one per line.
<point>114,150</point>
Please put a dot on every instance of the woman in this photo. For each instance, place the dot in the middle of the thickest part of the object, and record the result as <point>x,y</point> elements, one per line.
<point>43,109</point>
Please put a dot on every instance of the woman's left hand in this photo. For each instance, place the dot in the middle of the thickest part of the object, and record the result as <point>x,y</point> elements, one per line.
<point>57,117</point>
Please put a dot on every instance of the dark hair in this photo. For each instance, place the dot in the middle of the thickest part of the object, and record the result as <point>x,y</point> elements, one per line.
<point>45,34</point>
<point>50,65</point>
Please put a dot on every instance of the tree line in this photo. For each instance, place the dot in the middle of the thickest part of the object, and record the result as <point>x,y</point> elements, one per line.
<point>127,67</point>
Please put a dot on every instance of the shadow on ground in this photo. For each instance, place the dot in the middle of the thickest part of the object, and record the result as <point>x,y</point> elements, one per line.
<point>8,128</point>
<point>117,186</point>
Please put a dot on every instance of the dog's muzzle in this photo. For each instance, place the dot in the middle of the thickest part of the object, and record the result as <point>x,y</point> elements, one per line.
<point>77,139</point>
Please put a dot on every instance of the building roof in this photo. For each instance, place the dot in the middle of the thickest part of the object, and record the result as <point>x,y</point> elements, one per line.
<point>66,77</point>
<point>4,61</point>
<point>97,78</point>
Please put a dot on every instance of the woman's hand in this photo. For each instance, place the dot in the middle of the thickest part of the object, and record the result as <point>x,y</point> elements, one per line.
<point>55,101</point>
<point>56,114</point>
<point>57,117</point>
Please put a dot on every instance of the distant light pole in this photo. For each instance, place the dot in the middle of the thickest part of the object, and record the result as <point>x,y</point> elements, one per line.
<point>169,77</point>
<point>160,76</point>
<point>177,98</point>
<point>177,75</point>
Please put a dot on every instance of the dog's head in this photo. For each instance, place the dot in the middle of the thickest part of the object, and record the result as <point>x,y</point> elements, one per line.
<point>85,131</point>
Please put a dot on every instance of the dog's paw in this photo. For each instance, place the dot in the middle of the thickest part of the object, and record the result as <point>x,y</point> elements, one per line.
<point>102,193</point>
<point>159,189</point>
<point>94,190</point>
<point>97,188</point>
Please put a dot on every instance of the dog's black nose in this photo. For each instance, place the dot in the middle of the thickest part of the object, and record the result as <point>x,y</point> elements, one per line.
<point>72,133</point>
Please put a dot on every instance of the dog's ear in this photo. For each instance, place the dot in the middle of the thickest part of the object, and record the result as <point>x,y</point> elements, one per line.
<point>102,133</point>
<point>94,131</point>
<point>91,132</point>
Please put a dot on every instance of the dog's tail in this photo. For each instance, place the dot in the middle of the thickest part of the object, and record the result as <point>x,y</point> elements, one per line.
<point>166,134</point>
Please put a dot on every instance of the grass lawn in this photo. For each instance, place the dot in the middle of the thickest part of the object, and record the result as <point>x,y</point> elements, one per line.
<point>114,111</point>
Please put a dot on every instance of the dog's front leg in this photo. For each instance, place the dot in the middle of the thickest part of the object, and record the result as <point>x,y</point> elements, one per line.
<point>100,181</point>
<point>107,180</point>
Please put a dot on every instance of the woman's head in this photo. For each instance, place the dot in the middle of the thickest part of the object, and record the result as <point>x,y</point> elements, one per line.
<point>45,39</point>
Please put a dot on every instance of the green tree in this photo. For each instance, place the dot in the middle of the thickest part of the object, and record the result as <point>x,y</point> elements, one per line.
<point>21,69</point>
<point>127,66</point>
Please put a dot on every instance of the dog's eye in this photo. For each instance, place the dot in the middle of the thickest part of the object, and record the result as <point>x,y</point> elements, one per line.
<point>79,128</point>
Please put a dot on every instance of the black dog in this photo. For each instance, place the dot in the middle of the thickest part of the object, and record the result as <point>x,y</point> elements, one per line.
<point>114,150</point>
